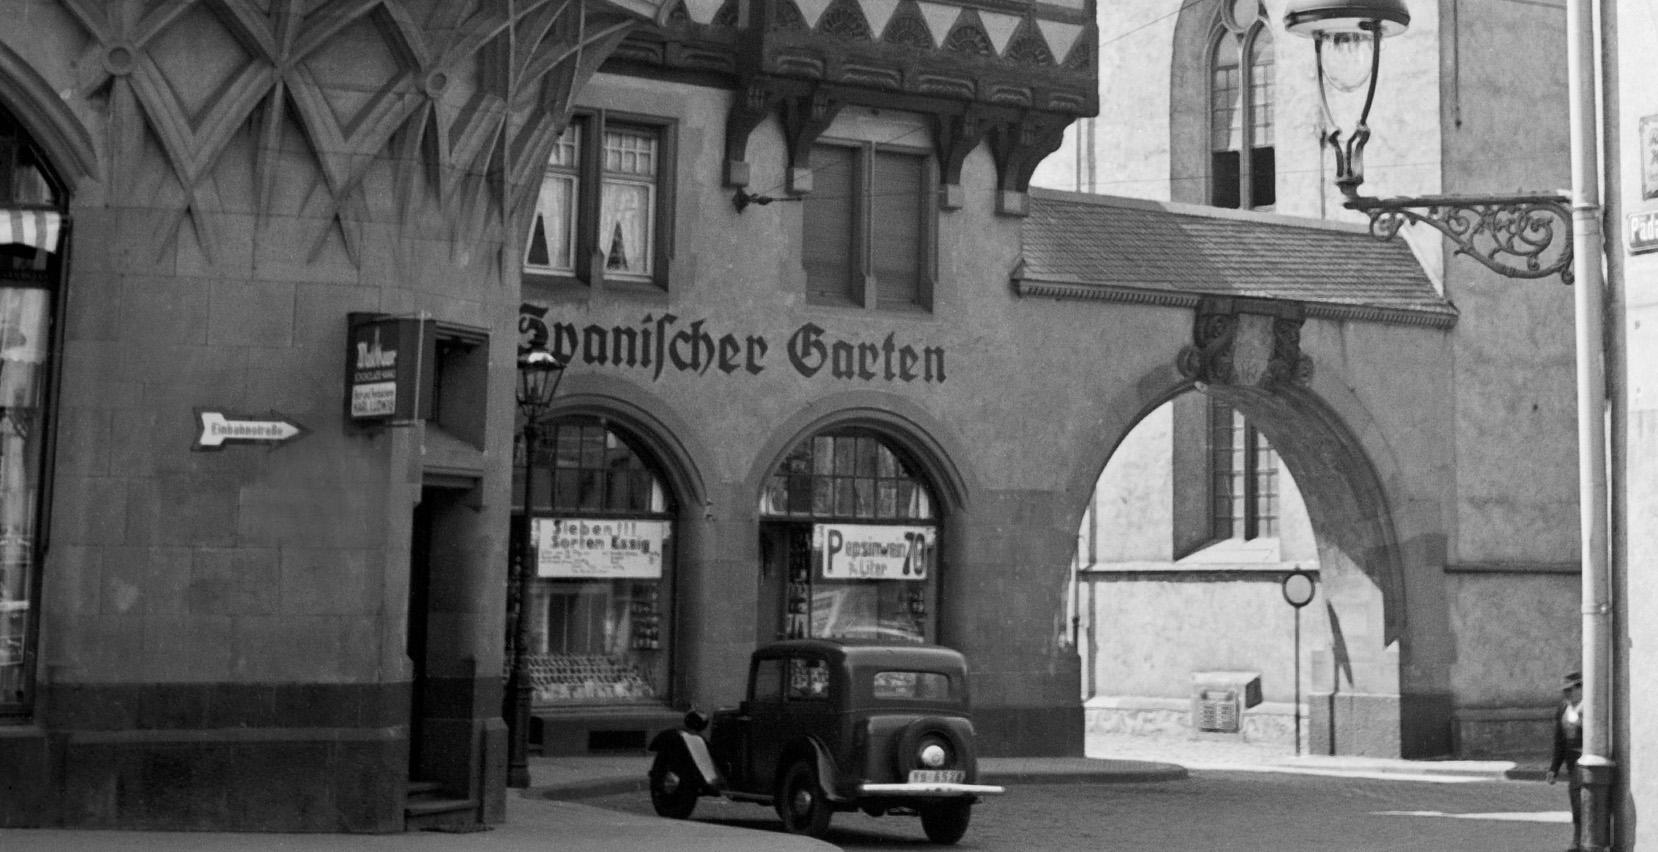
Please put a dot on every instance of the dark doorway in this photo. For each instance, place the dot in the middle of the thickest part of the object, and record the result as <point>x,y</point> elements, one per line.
<point>420,597</point>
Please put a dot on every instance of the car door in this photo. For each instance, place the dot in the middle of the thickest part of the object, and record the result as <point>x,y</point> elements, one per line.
<point>801,707</point>
<point>759,716</point>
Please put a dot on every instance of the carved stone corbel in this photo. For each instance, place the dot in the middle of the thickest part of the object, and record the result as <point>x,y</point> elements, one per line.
<point>805,117</point>
<point>752,106</point>
<point>1246,343</point>
<point>955,137</point>
<point>1018,146</point>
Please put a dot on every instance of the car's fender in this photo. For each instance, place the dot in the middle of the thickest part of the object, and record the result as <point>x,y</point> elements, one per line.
<point>827,775</point>
<point>693,749</point>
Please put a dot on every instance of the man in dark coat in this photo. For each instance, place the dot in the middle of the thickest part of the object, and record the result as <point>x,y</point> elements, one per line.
<point>1568,747</point>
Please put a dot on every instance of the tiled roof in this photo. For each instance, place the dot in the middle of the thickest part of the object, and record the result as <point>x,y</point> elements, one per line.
<point>1092,246</point>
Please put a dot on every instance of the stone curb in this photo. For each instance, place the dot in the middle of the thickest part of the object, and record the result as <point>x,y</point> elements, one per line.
<point>1144,772</point>
<point>575,790</point>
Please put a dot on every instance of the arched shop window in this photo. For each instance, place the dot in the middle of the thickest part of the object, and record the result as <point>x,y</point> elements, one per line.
<point>848,543</point>
<point>603,527</point>
<point>31,227</point>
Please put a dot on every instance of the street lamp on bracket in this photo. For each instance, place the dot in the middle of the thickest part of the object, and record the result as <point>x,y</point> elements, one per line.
<point>539,374</point>
<point>1515,236</point>
<point>1518,236</point>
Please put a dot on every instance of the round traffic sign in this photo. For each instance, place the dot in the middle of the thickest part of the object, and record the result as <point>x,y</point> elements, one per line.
<point>1299,587</point>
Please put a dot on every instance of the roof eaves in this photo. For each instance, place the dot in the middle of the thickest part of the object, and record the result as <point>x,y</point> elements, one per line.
<point>1071,289</point>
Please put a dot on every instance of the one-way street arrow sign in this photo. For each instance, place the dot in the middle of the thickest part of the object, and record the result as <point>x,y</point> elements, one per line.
<point>220,427</point>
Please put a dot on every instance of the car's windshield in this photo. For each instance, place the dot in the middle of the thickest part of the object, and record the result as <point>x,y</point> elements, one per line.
<point>905,685</point>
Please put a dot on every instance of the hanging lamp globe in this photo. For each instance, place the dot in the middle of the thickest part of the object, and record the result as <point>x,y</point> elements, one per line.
<point>1313,18</point>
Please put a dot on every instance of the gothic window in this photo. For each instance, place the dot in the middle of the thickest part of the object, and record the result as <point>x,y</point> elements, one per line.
<point>1243,471</point>
<point>602,213</point>
<point>1242,159</point>
<point>602,525</point>
<point>868,226</point>
<point>32,227</point>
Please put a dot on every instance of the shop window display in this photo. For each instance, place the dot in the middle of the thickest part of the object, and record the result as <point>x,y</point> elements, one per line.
<point>604,545</point>
<point>31,228</point>
<point>849,544</point>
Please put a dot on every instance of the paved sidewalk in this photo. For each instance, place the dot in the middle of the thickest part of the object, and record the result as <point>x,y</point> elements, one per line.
<point>1240,756</point>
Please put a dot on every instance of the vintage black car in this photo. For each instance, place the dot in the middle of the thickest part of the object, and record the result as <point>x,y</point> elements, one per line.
<point>834,726</point>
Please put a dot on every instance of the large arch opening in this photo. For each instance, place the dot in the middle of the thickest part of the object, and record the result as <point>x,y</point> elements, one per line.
<point>1211,495</point>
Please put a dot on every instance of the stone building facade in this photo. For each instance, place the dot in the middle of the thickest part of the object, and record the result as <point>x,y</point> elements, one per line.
<point>268,266</point>
<point>1214,103</point>
<point>1631,199</point>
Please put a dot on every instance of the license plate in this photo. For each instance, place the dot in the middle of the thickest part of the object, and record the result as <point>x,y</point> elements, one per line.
<point>937,776</point>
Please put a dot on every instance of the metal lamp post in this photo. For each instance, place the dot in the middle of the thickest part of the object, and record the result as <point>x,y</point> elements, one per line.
<point>1519,236</point>
<point>539,374</point>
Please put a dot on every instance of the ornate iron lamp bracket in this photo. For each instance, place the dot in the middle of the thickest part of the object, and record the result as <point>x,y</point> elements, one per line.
<point>1519,236</point>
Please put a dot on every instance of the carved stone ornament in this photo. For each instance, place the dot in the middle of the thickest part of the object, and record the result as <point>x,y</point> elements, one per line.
<point>453,105</point>
<point>1232,345</point>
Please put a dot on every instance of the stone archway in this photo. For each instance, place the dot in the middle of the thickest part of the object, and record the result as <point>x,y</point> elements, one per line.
<point>1380,688</point>
<point>47,118</point>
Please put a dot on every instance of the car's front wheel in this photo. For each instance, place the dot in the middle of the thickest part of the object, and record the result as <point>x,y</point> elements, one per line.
<point>801,802</point>
<point>945,822</point>
<point>673,788</point>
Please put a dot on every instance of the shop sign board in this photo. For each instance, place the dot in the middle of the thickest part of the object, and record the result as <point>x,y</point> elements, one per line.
<point>663,341</point>
<point>390,365</point>
<point>599,549</point>
<point>872,552</point>
<point>1643,232</point>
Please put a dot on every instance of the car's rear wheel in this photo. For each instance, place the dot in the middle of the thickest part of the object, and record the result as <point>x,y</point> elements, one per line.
<point>673,787</point>
<point>801,802</point>
<point>945,822</point>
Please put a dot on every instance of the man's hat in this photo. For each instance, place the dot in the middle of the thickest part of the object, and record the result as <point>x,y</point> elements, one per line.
<point>1574,679</point>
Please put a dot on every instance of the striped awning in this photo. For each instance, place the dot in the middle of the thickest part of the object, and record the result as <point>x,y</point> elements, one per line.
<point>36,228</point>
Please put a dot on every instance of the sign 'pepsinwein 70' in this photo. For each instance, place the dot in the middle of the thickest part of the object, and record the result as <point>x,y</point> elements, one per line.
<point>1643,232</point>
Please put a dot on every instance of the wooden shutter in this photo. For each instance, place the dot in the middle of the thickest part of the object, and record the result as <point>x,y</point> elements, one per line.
<point>896,227</point>
<point>828,229</point>
<point>1263,177</point>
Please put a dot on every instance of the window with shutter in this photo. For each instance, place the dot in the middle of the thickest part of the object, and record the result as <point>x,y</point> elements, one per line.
<point>897,231</point>
<point>867,227</point>
<point>830,227</point>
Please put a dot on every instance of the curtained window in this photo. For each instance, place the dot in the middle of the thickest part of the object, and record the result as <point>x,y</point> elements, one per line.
<point>601,214</point>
